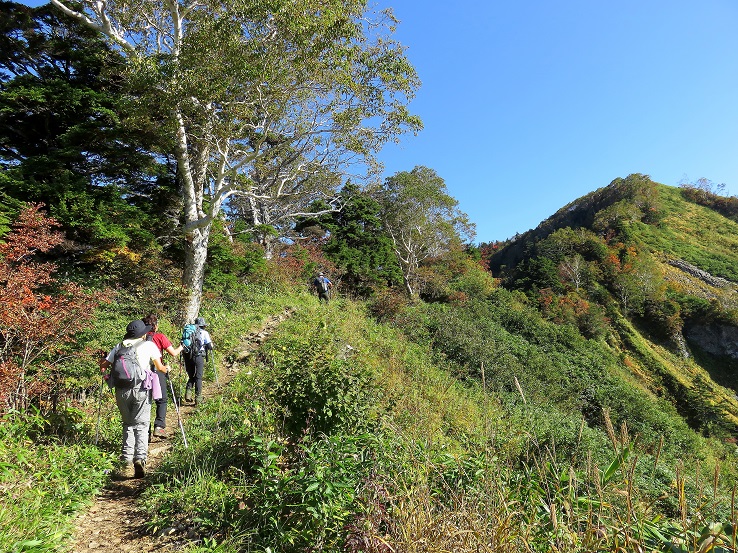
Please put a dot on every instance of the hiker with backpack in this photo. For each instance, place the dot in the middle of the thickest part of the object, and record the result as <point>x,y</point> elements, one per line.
<point>197,346</point>
<point>163,344</point>
<point>322,285</point>
<point>135,384</point>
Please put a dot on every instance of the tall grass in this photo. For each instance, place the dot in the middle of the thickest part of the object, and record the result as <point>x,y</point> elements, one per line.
<point>43,483</point>
<point>433,464</point>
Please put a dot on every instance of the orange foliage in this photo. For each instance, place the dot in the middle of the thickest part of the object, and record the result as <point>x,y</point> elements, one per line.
<point>297,264</point>
<point>38,315</point>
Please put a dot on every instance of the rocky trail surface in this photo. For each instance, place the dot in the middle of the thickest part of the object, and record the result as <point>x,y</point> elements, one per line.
<point>114,522</point>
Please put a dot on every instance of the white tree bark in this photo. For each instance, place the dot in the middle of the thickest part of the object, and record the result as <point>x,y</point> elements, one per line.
<point>421,219</point>
<point>250,114</point>
<point>572,268</point>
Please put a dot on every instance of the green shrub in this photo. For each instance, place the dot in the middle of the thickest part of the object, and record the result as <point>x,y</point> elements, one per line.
<point>319,392</point>
<point>231,261</point>
<point>554,365</point>
<point>43,484</point>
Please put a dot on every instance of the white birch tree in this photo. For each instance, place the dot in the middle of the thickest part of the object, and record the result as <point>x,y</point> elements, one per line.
<point>572,269</point>
<point>236,83</point>
<point>284,191</point>
<point>421,218</point>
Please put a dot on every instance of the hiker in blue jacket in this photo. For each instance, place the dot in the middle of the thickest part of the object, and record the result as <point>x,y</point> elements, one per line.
<point>322,285</point>
<point>195,360</point>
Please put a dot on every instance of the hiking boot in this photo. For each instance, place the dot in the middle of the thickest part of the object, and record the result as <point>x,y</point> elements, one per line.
<point>159,432</point>
<point>125,471</point>
<point>188,394</point>
<point>198,401</point>
<point>139,466</point>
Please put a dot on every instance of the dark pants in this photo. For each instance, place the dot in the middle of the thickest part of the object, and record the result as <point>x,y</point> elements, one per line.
<point>324,296</point>
<point>194,368</point>
<point>161,404</point>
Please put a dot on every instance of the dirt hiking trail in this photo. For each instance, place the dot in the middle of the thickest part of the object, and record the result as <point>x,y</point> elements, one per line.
<point>114,523</point>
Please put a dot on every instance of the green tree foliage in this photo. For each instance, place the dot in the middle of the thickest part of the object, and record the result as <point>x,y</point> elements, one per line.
<point>454,277</point>
<point>707,193</point>
<point>63,135</point>
<point>231,260</point>
<point>294,88</point>
<point>422,220</point>
<point>9,209</point>
<point>566,259</point>
<point>572,269</point>
<point>358,244</point>
<point>638,199</point>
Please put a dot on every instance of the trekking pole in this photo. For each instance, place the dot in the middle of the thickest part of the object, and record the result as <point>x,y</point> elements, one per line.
<point>181,362</point>
<point>179,417</point>
<point>99,408</point>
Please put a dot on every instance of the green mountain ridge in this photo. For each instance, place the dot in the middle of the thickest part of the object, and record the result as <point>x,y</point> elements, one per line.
<point>684,262</point>
<point>694,233</point>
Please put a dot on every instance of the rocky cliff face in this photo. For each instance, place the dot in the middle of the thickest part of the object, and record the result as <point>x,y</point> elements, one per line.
<point>700,274</point>
<point>714,339</point>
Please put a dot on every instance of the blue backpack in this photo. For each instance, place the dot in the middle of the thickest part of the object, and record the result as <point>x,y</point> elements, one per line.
<point>192,340</point>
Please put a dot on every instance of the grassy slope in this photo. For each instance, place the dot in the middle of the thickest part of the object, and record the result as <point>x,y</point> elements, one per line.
<point>701,237</point>
<point>449,465</point>
<point>708,240</point>
<point>695,234</point>
<point>447,462</point>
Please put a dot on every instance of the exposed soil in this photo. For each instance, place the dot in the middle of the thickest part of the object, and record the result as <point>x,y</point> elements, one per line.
<point>114,523</point>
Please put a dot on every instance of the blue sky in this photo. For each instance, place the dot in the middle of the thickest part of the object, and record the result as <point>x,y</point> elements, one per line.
<point>528,105</point>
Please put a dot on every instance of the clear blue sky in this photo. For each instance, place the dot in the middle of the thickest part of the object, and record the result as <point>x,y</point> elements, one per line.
<point>528,105</point>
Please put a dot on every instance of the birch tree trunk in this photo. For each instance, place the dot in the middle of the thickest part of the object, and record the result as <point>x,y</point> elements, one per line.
<point>197,235</point>
<point>196,254</point>
<point>261,101</point>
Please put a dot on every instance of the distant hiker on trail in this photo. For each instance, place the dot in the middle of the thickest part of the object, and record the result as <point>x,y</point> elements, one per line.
<point>197,345</point>
<point>135,383</point>
<point>164,344</point>
<point>322,285</point>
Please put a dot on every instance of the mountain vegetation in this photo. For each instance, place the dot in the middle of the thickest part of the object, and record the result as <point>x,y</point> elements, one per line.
<point>570,389</point>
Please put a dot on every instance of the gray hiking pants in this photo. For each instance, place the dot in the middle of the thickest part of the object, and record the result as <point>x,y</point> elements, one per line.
<point>135,413</point>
